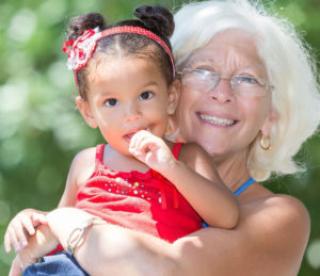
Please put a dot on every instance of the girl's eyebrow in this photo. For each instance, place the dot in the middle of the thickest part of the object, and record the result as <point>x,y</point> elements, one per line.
<point>106,93</point>
<point>149,83</point>
<point>103,92</point>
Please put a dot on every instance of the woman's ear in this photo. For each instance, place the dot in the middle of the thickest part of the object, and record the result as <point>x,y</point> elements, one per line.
<point>270,120</point>
<point>173,96</point>
<point>85,111</point>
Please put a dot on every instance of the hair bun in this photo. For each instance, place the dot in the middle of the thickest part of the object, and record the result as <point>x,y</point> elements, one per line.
<point>156,18</point>
<point>79,24</point>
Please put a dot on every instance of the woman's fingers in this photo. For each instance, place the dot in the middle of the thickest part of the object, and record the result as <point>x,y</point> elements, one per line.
<point>21,226</point>
<point>38,218</point>
<point>11,240</point>
<point>28,225</point>
<point>7,242</point>
<point>15,269</point>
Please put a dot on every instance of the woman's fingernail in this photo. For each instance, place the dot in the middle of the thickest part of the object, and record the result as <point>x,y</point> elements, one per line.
<point>17,248</point>
<point>24,244</point>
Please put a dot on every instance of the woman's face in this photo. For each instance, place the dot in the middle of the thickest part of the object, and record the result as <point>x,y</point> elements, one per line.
<point>225,119</point>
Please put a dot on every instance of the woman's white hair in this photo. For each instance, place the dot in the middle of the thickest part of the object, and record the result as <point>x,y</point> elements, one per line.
<point>289,65</point>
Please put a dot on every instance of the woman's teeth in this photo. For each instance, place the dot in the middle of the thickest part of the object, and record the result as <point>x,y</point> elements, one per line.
<point>217,121</point>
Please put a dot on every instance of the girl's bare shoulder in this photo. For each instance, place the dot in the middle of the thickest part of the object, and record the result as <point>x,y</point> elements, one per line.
<point>83,165</point>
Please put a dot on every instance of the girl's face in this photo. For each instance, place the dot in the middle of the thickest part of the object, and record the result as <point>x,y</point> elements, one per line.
<point>126,94</point>
<point>225,119</point>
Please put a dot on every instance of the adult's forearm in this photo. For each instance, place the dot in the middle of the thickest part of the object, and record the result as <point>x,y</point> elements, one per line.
<point>119,251</point>
<point>112,250</point>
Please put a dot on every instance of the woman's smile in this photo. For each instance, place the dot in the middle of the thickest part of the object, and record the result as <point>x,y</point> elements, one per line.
<point>216,121</point>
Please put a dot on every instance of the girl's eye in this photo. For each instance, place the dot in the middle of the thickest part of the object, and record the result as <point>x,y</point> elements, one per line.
<point>146,95</point>
<point>111,102</point>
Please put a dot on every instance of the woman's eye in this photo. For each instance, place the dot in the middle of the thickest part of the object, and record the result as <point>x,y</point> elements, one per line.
<point>204,74</point>
<point>146,95</point>
<point>111,102</point>
<point>246,80</point>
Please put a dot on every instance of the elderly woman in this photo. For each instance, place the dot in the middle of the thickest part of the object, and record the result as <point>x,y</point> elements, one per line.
<point>250,98</point>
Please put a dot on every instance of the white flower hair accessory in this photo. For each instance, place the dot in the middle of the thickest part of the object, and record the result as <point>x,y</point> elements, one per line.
<point>80,50</point>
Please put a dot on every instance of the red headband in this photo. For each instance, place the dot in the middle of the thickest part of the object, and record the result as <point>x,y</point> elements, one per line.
<point>80,50</point>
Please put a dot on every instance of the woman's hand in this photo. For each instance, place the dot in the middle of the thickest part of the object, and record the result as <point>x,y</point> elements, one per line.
<point>20,263</point>
<point>40,244</point>
<point>21,227</point>
<point>16,267</point>
<point>152,151</point>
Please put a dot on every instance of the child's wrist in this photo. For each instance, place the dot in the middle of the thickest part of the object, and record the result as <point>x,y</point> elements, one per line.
<point>170,170</point>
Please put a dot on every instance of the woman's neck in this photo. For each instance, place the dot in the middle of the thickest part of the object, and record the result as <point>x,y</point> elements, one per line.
<point>233,169</point>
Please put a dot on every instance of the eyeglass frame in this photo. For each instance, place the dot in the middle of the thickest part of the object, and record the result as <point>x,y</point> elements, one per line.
<point>259,82</point>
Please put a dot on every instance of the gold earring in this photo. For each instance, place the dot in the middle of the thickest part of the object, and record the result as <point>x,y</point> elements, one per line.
<point>265,142</point>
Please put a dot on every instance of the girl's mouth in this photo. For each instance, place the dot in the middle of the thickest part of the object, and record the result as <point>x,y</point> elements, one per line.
<point>129,135</point>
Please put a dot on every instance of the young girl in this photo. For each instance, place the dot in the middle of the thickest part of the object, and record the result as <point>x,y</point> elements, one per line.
<point>125,76</point>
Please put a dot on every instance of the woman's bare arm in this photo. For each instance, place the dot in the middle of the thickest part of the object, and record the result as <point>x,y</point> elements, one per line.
<point>269,240</point>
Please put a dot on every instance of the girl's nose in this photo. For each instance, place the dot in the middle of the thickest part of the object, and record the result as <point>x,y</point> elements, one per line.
<point>132,112</point>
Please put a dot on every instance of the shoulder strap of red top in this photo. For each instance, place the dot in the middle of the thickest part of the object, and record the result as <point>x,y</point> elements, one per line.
<point>176,150</point>
<point>99,154</point>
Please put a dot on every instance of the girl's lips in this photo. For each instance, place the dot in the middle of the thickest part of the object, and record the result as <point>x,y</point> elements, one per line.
<point>129,135</point>
<point>216,120</point>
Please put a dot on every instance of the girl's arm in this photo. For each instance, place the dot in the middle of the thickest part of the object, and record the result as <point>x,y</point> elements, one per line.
<point>193,176</point>
<point>270,239</point>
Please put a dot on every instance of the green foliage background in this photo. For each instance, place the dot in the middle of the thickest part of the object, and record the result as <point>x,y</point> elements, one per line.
<point>40,130</point>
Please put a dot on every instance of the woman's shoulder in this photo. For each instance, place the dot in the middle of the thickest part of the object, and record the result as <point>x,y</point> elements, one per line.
<point>270,239</point>
<point>278,219</point>
<point>275,208</point>
<point>261,196</point>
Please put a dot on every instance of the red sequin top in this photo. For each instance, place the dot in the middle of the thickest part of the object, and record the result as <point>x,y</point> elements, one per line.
<point>146,202</point>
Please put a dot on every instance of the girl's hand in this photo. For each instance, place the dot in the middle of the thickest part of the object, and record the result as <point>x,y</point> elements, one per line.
<point>152,151</point>
<point>21,227</point>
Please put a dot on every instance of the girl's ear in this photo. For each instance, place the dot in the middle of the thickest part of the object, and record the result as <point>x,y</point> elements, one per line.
<point>173,96</point>
<point>85,111</point>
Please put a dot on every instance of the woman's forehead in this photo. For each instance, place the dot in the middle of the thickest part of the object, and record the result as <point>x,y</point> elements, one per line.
<point>230,48</point>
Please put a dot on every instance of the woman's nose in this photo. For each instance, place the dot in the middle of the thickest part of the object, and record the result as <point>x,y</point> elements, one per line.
<point>222,92</point>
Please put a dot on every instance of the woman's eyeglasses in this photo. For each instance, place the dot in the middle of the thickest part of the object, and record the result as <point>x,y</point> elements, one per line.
<point>205,80</point>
